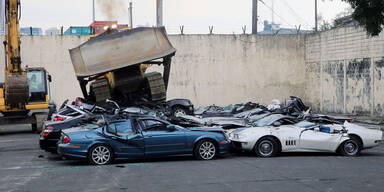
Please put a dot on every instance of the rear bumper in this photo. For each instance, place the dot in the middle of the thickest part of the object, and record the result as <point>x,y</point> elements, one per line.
<point>69,152</point>
<point>48,144</point>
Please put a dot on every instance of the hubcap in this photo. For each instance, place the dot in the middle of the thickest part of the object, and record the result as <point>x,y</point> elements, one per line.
<point>179,112</point>
<point>207,150</point>
<point>266,148</point>
<point>350,148</point>
<point>101,155</point>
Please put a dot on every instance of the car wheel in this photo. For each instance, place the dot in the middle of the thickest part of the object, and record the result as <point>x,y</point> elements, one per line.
<point>205,150</point>
<point>100,155</point>
<point>179,111</point>
<point>266,147</point>
<point>350,147</point>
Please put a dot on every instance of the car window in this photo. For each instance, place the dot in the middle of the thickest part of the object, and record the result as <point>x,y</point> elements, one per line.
<point>266,121</point>
<point>122,128</point>
<point>153,125</point>
<point>286,121</point>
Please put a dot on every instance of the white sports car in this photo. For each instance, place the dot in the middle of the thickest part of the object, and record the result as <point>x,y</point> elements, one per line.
<point>279,133</point>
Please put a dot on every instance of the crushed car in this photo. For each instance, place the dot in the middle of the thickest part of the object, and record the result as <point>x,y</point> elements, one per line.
<point>281,133</point>
<point>140,137</point>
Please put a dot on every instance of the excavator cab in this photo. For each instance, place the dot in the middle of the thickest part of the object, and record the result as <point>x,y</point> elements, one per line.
<point>38,84</point>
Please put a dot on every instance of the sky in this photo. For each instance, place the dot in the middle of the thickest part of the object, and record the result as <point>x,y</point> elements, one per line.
<point>227,16</point>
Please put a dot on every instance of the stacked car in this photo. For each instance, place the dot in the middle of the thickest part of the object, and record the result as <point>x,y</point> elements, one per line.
<point>101,134</point>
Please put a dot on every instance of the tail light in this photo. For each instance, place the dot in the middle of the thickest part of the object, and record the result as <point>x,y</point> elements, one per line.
<point>78,101</point>
<point>350,121</point>
<point>66,139</point>
<point>47,131</point>
<point>59,119</point>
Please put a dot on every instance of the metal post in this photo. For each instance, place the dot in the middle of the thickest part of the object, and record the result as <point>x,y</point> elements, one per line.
<point>159,13</point>
<point>273,11</point>
<point>130,15</point>
<point>316,22</point>
<point>254,16</point>
<point>93,11</point>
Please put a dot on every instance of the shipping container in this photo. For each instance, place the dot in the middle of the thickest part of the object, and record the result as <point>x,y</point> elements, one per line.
<point>79,30</point>
<point>98,26</point>
<point>27,31</point>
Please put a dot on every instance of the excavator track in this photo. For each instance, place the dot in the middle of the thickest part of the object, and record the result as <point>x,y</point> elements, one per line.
<point>101,90</point>
<point>156,86</point>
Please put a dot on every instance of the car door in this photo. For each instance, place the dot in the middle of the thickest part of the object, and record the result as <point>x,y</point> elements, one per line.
<point>313,139</point>
<point>159,140</point>
<point>126,139</point>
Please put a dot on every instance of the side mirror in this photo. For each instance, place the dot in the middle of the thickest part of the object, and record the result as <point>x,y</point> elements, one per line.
<point>101,122</point>
<point>49,78</point>
<point>171,128</point>
<point>276,124</point>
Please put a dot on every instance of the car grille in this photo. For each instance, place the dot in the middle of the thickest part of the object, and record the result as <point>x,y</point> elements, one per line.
<point>237,145</point>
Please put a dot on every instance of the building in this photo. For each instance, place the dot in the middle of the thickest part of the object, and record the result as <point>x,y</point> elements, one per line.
<point>53,31</point>
<point>98,26</point>
<point>79,30</point>
<point>275,29</point>
<point>27,31</point>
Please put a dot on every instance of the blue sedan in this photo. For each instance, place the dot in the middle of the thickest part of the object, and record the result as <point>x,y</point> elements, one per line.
<point>140,137</point>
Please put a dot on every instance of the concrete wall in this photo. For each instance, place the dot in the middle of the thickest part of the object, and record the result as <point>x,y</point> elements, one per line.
<point>208,69</point>
<point>52,53</point>
<point>344,70</point>
<point>227,69</point>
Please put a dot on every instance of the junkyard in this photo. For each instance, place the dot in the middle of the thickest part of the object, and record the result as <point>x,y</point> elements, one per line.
<point>134,107</point>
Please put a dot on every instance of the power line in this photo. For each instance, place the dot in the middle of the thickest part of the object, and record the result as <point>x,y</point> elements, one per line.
<point>275,13</point>
<point>296,14</point>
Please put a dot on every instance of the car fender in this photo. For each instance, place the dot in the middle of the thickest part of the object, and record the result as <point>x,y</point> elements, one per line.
<point>254,135</point>
<point>196,140</point>
<point>368,136</point>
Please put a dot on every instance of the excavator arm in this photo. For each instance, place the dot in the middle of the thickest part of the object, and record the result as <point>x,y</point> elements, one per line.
<point>16,90</point>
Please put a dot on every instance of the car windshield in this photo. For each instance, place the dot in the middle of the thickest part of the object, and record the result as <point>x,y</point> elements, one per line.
<point>268,120</point>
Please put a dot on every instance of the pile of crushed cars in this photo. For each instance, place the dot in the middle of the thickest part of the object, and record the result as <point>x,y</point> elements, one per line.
<point>289,126</point>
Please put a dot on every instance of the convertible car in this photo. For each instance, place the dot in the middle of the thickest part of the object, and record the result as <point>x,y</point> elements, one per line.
<point>140,137</point>
<point>279,133</point>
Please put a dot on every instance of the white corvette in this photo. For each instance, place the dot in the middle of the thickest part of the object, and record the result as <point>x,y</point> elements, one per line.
<point>278,133</point>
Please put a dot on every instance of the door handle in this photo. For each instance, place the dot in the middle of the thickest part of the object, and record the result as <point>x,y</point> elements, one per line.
<point>149,135</point>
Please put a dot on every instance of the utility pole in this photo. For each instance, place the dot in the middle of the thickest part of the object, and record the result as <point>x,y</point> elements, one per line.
<point>254,16</point>
<point>159,13</point>
<point>93,11</point>
<point>130,15</point>
<point>316,22</point>
<point>273,11</point>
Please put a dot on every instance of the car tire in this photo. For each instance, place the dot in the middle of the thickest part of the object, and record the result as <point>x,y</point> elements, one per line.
<point>179,111</point>
<point>351,147</point>
<point>266,147</point>
<point>205,150</point>
<point>100,155</point>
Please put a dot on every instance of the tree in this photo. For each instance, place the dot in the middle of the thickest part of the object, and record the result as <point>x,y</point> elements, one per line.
<point>369,14</point>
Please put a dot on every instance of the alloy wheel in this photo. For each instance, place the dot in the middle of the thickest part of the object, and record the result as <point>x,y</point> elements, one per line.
<point>101,155</point>
<point>207,150</point>
<point>179,112</point>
